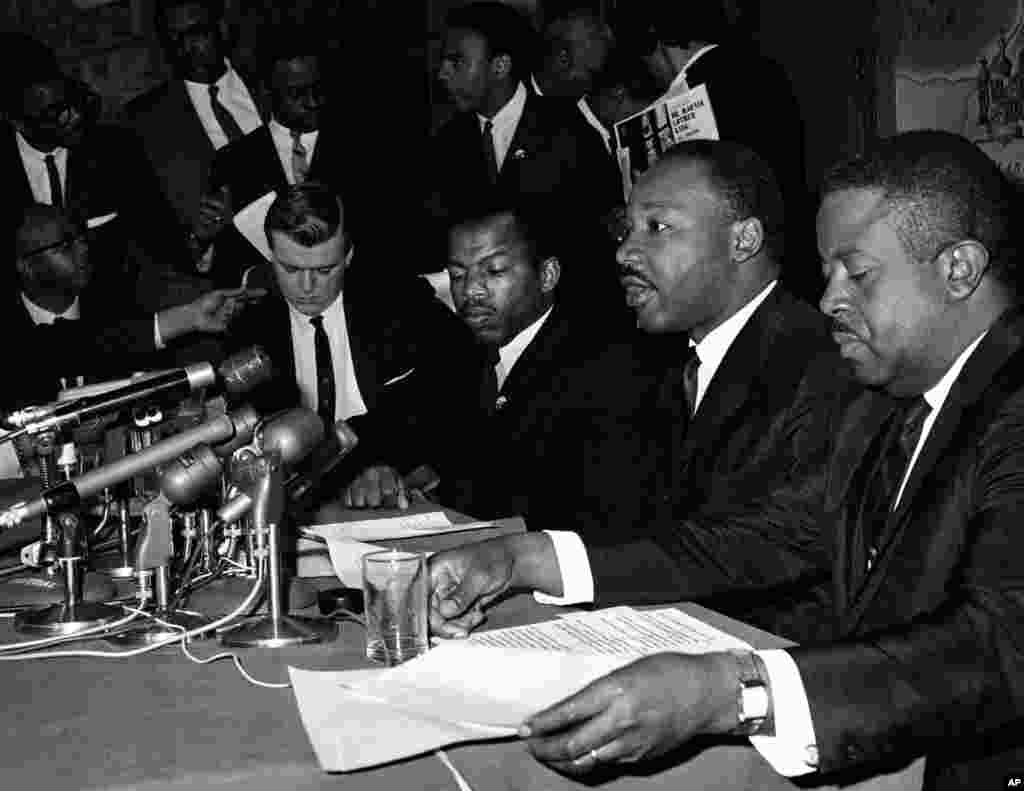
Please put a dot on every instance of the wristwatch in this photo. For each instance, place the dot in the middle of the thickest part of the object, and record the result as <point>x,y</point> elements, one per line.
<point>753,696</point>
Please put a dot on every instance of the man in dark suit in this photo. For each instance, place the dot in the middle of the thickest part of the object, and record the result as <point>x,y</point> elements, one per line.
<point>922,654</point>
<point>299,143</point>
<point>57,154</point>
<point>508,145</point>
<point>504,271</point>
<point>344,337</point>
<point>184,121</point>
<point>60,325</point>
<point>686,45</point>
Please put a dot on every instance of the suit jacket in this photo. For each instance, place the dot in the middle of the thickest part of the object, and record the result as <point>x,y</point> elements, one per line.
<point>555,166</point>
<point>928,651</point>
<point>491,461</point>
<point>95,346</point>
<point>395,327</point>
<point>651,504</point>
<point>108,172</point>
<point>743,86</point>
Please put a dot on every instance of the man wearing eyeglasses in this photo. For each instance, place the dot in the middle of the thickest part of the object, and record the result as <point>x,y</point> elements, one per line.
<point>60,327</point>
<point>58,155</point>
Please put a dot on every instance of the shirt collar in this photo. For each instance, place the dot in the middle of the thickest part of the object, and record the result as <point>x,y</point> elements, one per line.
<point>510,353</point>
<point>227,81</point>
<point>330,313</point>
<point>936,396</point>
<point>27,149</point>
<point>535,85</point>
<point>510,113</point>
<point>279,130</point>
<point>41,315</point>
<point>715,345</point>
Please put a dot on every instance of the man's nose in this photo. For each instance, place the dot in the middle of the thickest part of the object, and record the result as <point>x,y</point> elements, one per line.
<point>307,281</point>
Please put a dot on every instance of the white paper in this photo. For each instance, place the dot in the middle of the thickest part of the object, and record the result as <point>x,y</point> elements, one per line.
<point>249,222</point>
<point>393,527</point>
<point>103,219</point>
<point>616,631</point>
<point>480,688</point>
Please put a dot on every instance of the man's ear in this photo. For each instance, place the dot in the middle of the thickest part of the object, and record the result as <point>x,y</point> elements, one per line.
<point>747,239</point>
<point>501,65</point>
<point>962,266</point>
<point>550,272</point>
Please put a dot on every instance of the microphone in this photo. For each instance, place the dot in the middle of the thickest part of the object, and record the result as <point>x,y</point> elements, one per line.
<point>298,436</point>
<point>238,374</point>
<point>68,494</point>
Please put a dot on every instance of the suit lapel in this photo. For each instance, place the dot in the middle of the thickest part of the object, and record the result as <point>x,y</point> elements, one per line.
<point>527,138</point>
<point>18,177</point>
<point>978,390</point>
<point>535,361</point>
<point>193,136</point>
<point>360,344</point>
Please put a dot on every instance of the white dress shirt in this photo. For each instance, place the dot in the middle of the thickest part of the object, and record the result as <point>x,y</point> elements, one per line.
<point>679,83</point>
<point>348,400</point>
<point>284,142</point>
<point>34,162</point>
<point>510,353</point>
<point>236,100</point>
<point>588,114</point>
<point>504,123</point>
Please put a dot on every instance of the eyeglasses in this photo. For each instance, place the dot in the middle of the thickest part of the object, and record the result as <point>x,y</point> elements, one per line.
<point>61,245</point>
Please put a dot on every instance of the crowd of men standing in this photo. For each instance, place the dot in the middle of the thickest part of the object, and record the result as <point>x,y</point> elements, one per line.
<point>650,387</point>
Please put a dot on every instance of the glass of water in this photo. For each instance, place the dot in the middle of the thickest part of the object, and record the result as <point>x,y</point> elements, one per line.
<point>395,590</point>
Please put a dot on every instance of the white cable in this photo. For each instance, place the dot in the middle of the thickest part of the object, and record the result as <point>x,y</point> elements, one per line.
<point>188,635</point>
<point>460,781</point>
<point>67,638</point>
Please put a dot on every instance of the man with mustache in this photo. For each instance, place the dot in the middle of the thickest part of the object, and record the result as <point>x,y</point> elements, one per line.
<point>922,655</point>
<point>504,271</point>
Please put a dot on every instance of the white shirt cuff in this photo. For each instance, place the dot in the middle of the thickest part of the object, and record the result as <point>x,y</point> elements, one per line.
<point>574,565</point>
<point>793,749</point>
<point>158,341</point>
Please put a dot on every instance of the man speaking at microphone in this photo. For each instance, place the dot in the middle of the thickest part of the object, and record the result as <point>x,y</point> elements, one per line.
<point>58,328</point>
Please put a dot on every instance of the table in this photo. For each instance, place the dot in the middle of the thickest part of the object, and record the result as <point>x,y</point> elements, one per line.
<point>161,722</point>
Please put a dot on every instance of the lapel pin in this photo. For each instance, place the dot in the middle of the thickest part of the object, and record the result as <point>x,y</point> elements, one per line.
<point>500,402</point>
<point>519,154</point>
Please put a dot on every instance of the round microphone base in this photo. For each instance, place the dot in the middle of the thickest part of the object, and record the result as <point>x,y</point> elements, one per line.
<point>151,632</point>
<point>264,631</point>
<point>60,619</point>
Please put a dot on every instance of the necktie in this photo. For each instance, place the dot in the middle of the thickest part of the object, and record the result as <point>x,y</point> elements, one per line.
<point>897,448</point>
<point>681,380</point>
<point>226,120</point>
<point>300,158</point>
<point>489,380</point>
<point>324,372</point>
<point>490,156</point>
<point>56,193</point>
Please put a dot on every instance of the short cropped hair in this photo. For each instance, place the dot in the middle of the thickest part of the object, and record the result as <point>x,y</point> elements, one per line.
<point>744,183</point>
<point>627,70</point>
<point>641,25</point>
<point>558,26</point>
<point>532,227</point>
<point>289,43</point>
<point>940,189</point>
<point>28,62</point>
<point>161,7</point>
<point>309,214</point>
<point>504,29</point>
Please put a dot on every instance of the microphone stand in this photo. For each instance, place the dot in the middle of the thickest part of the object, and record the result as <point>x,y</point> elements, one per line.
<point>74,615</point>
<point>275,629</point>
<point>153,557</point>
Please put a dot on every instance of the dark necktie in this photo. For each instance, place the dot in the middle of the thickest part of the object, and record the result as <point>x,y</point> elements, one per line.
<point>56,192</point>
<point>490,156</point>
<point>489,380</point>
<point>681,380</point>
<point>300,158</point>
<point>325,392</point>
<point>897,448</point>
<point>226,120</point>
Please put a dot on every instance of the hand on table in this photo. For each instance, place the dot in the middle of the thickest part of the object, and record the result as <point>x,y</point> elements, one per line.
<point>638,712</point>
<point>379,486</point>
<point>465,580</point>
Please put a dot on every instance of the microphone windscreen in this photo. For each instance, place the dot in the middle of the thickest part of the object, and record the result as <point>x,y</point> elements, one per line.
<point>245,370</point>
<point>293,433</point>
<point>185,479</point>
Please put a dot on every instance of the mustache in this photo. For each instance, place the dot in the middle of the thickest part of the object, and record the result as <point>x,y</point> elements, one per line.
<point>634,274</point>
<point>475,307</point>
<point>837,325</point>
